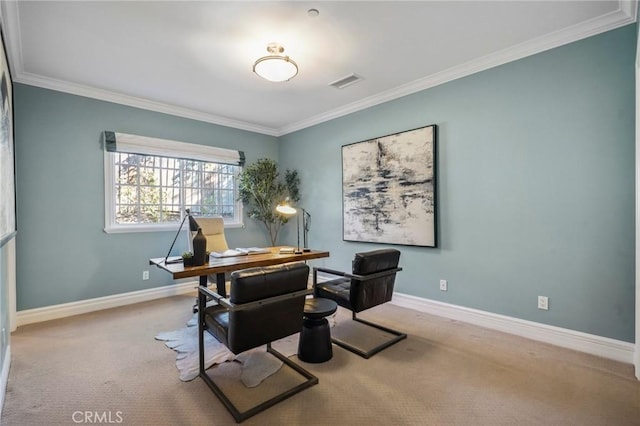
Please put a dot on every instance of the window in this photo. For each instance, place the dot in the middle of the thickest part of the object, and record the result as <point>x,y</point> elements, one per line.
<point>150,188</point>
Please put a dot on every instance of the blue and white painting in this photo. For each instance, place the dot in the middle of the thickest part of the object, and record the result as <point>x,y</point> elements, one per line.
<point>7,176</point>
<point>389,189</point>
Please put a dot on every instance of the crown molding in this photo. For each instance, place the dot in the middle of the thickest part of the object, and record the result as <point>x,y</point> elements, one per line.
<point>10,12</point>
<point>629,7</point>
<point>12,39</point>
<point>626,14</point>
<point>132,101</point>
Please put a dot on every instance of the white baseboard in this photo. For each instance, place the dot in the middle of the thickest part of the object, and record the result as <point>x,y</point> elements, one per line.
<point>576,340</point>
<point>30,316</point>
<point>4,376</point>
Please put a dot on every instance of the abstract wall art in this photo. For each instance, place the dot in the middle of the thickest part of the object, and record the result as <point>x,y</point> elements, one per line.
<point>7,174</point>
<point>389,189</point>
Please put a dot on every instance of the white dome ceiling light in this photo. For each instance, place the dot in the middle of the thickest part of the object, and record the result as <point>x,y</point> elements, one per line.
<point>276,67</point>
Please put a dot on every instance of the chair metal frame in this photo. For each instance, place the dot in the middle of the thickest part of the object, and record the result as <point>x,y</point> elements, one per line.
<point>344,344</point>
<point>204,295</point>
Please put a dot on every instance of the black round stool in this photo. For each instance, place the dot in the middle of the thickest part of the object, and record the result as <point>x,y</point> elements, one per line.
<point>315,338</point>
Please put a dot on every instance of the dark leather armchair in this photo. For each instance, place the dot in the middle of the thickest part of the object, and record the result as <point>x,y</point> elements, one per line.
<point>265,304</point>
<point>370,284</point>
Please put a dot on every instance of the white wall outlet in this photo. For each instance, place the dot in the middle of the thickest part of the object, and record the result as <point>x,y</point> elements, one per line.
<point>443,285</point>
<point>543,303</point>
<point>145,275</point>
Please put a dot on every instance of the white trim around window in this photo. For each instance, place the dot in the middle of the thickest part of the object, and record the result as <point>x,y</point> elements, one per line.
<point>117,143</point>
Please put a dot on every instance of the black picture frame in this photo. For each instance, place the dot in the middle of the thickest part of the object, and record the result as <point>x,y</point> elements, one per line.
<point>8,227</point>
<point>389,189</point>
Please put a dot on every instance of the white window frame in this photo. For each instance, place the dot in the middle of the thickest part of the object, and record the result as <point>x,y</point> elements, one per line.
<point>166,148</point>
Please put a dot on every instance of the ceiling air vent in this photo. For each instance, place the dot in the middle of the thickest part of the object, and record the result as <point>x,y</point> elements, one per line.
<point>346,81</point>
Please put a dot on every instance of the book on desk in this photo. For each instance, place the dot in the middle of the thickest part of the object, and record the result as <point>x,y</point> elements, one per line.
<point>247,251</point>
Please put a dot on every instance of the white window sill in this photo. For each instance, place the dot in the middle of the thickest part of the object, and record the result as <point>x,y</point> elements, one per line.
<point>123,229</point>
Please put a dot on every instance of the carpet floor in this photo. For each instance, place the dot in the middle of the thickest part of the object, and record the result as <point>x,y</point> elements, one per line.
<point>107,365</point>
<point>256,364</point>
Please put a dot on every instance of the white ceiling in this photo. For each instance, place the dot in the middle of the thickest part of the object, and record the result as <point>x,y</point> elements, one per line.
<point>194,59</point>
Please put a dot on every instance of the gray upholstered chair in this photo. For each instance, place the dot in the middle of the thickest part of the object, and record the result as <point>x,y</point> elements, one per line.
<point>265,304</point>
<point>370,284</point>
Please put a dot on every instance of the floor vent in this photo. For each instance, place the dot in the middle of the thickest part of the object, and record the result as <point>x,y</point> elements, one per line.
<point>346,81</point>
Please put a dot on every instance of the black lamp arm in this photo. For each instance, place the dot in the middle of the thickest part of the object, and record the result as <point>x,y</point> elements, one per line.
<point>166,258</point>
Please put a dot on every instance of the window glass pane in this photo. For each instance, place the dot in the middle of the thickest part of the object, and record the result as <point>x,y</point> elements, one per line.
<point>154,190</point>
<point>127,214</point>
<point>127,195</point>
<point>171,213</point>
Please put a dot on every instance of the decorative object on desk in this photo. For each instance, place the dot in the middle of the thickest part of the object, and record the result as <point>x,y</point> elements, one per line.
<point>286,209</point>
<point>199,248</point>
<point>187,258</point>
<point>389,189</point>
<point>192,223</point>
<point>261,191</point>
<point>193,228</point>
<point>7,155</point>
<point>213,230</point>
<point>256,364</point>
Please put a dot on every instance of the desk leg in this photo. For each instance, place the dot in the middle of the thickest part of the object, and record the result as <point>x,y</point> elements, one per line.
<point>221,284</point>
<point>202,302</point>
<point>202,283</point>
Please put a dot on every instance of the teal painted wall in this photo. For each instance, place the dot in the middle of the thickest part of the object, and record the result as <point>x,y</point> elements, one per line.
<point>63,254</point>
<point>535,180</point>
<point>536,189</point>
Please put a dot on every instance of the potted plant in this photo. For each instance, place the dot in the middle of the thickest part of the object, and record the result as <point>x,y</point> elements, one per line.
<point>261,190</point>
<point>187,258</point>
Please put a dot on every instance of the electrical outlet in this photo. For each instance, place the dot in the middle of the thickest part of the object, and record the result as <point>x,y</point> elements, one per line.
<point>4,337</point>
<point>543,303</point>
<point>443,285</point>
<point>145,275</point>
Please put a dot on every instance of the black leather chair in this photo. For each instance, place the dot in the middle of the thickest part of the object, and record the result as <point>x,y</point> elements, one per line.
<point>370,284</point>
<point>265,304</point>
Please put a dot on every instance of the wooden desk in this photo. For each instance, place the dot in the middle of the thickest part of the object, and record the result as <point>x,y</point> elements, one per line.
<point>219,266</point>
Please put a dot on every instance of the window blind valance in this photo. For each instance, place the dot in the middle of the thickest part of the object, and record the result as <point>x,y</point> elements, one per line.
<point>122,142</point>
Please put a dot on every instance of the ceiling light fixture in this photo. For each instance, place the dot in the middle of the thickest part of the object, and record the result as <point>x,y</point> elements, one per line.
<point>275,67</point>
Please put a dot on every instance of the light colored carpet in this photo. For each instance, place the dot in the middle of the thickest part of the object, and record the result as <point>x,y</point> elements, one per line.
<point>256,364</point>
<point>445,373</point>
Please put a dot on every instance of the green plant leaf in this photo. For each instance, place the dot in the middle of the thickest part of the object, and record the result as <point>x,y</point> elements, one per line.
<point>260,190</point>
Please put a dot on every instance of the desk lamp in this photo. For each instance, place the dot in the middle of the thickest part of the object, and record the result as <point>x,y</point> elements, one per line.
<point>193,226</point>
<point>286,209</point>
<point>306,224</point>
